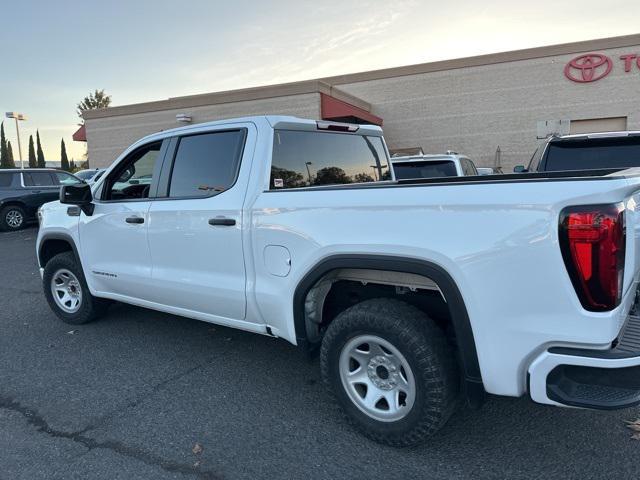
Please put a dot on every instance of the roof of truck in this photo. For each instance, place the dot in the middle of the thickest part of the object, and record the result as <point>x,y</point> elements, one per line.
<point>428,158</point>
<point>275,121</point>
<point>616,134</point>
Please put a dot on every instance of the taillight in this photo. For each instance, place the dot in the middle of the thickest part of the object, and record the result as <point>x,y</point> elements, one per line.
<point>592,240</point>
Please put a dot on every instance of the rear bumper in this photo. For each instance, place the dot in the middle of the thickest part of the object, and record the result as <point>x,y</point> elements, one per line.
<point>600,379</point>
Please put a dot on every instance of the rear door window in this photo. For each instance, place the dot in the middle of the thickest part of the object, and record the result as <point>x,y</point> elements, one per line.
<point>307,158</point>
<point>422,169</point>
<point>38,179</point>
<point>206,164</point>
<point>62,178</point>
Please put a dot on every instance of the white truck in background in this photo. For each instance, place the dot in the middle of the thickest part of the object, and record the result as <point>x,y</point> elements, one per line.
<point>417,293</point>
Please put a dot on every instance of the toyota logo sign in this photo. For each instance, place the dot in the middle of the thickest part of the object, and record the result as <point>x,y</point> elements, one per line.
<point>588,68</point>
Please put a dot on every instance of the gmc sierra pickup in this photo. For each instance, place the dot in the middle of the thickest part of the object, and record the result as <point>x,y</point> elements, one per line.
<point>417,293</point>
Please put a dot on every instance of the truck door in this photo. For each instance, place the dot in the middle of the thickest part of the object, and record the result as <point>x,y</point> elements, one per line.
<point>196,231</point>
<point>114,239</point>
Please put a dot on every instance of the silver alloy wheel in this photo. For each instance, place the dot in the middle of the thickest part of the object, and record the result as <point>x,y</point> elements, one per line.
<point>377,378</point>
<point>14,218</point>
<point>66,290</point>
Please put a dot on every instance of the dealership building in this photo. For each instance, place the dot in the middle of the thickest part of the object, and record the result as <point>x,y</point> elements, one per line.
<point>494,108</point>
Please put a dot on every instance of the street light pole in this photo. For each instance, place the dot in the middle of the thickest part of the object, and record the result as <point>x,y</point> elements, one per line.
<point>18,116</point>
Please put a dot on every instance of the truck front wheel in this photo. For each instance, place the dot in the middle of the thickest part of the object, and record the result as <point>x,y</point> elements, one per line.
<point>67,292</point>
<point>391,370</point>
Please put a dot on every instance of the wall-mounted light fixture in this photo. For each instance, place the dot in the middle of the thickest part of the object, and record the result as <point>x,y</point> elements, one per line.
<point>183,118</point>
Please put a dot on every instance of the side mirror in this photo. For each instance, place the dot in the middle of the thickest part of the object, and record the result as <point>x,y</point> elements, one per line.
<point>79,195</point>
<point>519,169</point>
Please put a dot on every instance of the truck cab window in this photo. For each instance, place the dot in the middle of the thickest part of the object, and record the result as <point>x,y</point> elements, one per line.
<point>307,158</point>
<point>133,177</point>
<point>206,164</point>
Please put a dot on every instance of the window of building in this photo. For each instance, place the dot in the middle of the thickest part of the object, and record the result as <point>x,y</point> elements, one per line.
<point>304,158</point>
<point>206,164</point>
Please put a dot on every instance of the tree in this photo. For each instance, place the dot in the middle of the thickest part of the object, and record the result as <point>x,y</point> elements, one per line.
<point>288,178</point>
<point>10,162</point>
<point>72,166</point>
<point>363,177</point>
<point>64,160</point>
<point>32,153</point>
<point>40,154</point>
<point>331,176</point>
<point>3,148</point>
<point>93,101</point>
<point>97,99</point>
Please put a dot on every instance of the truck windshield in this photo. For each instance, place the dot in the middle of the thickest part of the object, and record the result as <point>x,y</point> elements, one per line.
<point>593,153</point>
<point>431,169</point>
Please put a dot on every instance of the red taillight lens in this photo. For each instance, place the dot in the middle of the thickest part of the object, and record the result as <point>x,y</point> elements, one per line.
<point>592,240</point>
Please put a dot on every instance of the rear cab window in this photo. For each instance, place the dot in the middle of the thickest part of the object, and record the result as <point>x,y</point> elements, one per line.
<point>304,158</point>
<point>425,169</point>
<point>592,153</point>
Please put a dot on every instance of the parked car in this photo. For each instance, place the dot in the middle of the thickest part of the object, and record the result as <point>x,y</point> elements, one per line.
<point>433,166</point>
<point>416,292</point>
<point>23,191</point>
<point>485,171</point>
<point>586,152</point>
<point>90,176</point>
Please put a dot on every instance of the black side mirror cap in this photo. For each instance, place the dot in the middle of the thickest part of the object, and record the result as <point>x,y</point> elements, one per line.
<point>79,195</point>
<point>519,169</point>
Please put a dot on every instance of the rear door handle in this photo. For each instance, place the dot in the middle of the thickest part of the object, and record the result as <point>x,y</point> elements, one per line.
<point>226,222</point>
<point>134,220</point>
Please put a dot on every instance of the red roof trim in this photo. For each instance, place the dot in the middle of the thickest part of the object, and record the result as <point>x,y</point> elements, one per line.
<point>80,135</point>
<point>331,108</point>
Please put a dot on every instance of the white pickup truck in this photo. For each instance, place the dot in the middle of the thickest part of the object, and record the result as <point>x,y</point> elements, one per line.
<point>418,293</point>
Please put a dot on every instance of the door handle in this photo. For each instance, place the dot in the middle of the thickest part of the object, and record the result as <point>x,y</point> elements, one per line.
<point>226,222</point>
<point>134,220</point>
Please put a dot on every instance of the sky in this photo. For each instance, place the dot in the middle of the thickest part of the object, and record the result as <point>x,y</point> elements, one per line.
<point>54,53</point>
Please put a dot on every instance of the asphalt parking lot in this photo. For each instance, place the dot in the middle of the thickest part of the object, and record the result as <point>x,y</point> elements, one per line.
<point>141,394</point>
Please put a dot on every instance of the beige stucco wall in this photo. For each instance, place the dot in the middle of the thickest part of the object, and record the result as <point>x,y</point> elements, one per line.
<point>108,137</point>
<point>474,110</point>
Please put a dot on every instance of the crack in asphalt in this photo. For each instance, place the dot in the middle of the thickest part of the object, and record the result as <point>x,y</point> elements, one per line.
<point>41,425</point>
<point>101,420</point>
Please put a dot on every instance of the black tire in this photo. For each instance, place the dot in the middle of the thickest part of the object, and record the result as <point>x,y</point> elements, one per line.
<point>7,224</point>
<point>426,350</point>
<point>90,308</point>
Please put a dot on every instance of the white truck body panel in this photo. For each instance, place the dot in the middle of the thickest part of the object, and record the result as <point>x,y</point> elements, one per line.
<point>498,240</point>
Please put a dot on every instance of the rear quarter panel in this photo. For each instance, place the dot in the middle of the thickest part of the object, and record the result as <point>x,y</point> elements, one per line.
<point>498,241</point>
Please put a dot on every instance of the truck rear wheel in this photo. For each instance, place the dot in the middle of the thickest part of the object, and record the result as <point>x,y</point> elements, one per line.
<point>67,292</point>
<point>391,370</point>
